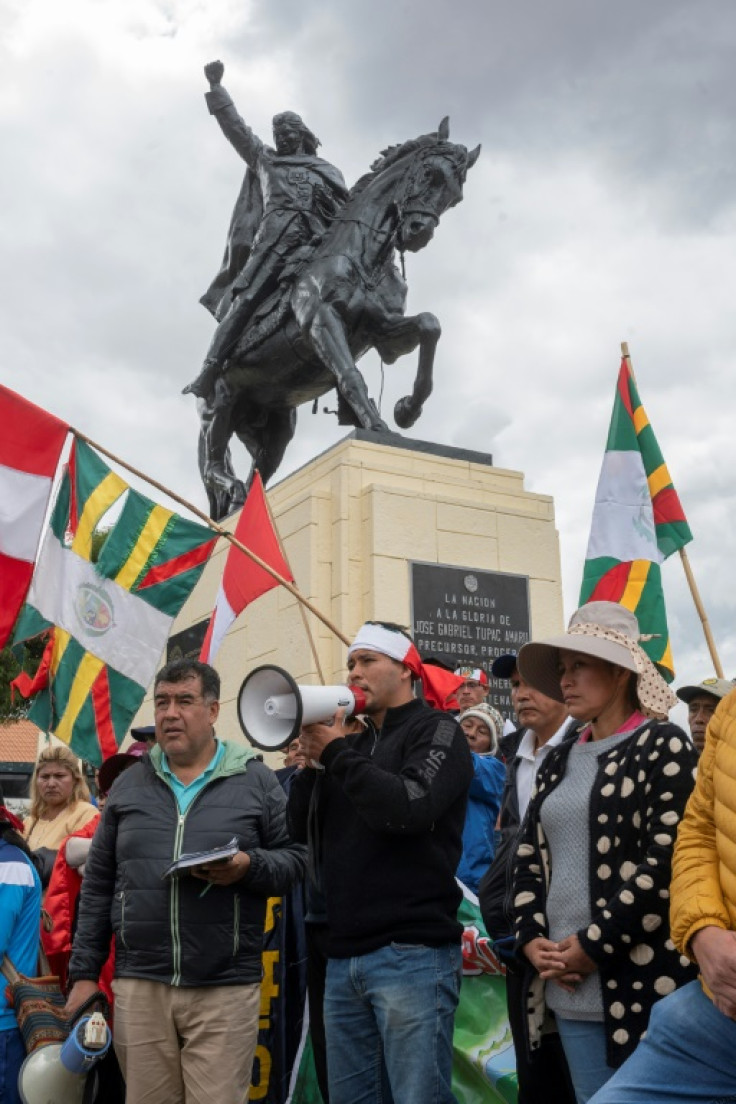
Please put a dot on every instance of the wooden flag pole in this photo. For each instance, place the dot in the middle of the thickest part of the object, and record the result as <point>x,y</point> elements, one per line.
<point>305,622</point>
<point>689,574</point>
<point>217,529</point>
<point>701,613</point>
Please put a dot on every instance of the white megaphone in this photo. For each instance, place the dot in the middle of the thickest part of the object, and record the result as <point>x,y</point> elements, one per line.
<point>44,1079</point>
<point>272,708</point>
<point>58,1073</point>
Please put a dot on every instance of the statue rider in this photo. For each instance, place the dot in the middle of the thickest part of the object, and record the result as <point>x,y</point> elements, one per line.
<point>289,197</point>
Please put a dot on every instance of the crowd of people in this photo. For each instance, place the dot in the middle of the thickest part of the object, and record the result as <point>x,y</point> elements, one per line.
<point>606,882</point>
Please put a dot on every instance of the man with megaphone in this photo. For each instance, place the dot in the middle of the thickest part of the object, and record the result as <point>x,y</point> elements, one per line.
<point>385,816</point>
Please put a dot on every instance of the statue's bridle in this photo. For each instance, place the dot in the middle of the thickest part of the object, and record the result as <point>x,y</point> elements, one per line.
<point>412,189</point>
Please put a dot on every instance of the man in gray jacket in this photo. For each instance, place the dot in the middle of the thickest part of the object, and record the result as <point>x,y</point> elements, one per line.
<point>187,947</point>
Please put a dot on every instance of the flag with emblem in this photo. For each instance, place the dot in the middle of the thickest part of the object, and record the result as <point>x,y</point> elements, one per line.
<point>109,619</point>
<point>638,522</point>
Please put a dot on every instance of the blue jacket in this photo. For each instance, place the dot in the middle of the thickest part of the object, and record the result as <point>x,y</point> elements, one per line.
<point>20,915</point>
<point>484,802</point>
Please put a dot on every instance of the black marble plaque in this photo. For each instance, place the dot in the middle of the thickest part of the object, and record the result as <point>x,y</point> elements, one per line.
<point>465,617</point>
<point>187,644</point>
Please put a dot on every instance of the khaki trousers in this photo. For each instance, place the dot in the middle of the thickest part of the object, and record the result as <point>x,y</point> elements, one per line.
<point>185,1046</point>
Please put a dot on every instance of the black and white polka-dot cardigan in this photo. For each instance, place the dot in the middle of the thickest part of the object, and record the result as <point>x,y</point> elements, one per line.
<point>638,797</point>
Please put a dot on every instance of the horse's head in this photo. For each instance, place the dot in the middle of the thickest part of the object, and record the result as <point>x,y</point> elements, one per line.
<point>432,172</point>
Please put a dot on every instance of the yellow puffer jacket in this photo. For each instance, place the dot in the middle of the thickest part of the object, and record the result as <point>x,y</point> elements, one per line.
<point>703,890</point>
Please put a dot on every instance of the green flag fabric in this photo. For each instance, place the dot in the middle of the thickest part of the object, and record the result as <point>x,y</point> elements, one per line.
<point>638,522</point>
<point>110,619</point>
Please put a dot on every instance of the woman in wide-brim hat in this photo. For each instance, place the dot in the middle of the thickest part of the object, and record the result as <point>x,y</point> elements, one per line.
<point>593,865</point>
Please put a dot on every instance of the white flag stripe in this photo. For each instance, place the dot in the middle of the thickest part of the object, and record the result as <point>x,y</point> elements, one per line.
<point>224,616</point>
<point>623,519</point>
<point>66,587</point>
<point>22,509</point>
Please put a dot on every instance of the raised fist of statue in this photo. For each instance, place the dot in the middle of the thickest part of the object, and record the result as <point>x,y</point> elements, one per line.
<point>214,71</point>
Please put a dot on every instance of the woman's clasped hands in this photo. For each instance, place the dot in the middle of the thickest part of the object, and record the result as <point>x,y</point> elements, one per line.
<point>564,962</point>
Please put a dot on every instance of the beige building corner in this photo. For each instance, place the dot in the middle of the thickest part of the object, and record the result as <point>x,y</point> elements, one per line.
<point>351,521</point>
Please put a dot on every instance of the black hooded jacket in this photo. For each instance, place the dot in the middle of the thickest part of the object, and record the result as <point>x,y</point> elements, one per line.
<point>386,820</point>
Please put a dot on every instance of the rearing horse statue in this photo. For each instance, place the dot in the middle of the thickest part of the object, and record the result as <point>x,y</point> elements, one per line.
<point>347,297</point>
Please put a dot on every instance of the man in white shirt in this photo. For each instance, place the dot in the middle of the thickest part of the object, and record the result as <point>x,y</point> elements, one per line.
<point>543,724</point>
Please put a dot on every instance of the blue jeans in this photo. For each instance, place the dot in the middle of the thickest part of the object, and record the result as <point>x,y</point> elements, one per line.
<point>12,1057</point>
<point>584,1044</point>
<point>689,1054</point>
<point>389,1018</point>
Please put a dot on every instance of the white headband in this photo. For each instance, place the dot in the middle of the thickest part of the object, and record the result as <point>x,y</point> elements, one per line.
<point>376,638</point>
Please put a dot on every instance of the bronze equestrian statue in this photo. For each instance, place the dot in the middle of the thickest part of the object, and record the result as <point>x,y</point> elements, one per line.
<point>309,284</point>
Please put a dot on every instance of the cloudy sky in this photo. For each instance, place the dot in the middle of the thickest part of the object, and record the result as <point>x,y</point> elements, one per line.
<point>603,209</point>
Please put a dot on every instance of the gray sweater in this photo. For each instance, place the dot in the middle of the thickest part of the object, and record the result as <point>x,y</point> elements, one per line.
<point>565,819</point>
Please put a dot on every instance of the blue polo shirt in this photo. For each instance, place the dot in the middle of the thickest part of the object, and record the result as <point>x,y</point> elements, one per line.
<point>185,795</point>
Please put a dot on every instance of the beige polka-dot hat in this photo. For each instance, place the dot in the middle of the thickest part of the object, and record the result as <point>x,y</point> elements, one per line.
<point>608,631</point>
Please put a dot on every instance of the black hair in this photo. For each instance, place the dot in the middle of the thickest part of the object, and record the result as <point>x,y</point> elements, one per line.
<point>632,690</point>
<point>9,835</point>
<point>181,669</point>
<point>392,627</point>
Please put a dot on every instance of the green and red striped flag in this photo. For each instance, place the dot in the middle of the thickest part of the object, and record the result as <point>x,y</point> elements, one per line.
<point>110,620</point>
<point>637,523</point>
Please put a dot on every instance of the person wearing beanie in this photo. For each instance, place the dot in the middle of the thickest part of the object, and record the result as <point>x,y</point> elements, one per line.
<point>483,728</point>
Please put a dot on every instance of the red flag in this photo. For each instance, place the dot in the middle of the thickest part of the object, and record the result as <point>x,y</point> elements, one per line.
<point>243,580</point>
<point>30,445</point>
<point>440,686</point>
<point>28,686</point>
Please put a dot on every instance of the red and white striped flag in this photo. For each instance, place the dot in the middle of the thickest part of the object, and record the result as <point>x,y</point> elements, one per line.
<point>31,441</point>
<point>243,580</point>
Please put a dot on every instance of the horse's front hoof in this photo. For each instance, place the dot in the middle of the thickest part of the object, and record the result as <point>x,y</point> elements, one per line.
<point>405,414</point>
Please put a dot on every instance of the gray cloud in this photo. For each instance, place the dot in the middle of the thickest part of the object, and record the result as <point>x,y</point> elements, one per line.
<point>602,210</point>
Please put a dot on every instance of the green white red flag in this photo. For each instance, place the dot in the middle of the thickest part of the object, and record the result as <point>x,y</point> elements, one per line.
<point>638,522</point>
<point>109,619</point>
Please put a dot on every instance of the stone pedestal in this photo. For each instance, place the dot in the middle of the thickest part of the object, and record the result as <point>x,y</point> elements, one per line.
<point>352,521</point>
